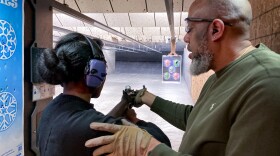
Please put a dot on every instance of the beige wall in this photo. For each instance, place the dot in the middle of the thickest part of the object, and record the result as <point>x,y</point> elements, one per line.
<point>265,29</point>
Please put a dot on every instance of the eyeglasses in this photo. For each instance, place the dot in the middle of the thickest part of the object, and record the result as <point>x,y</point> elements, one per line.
<point>194,19</point>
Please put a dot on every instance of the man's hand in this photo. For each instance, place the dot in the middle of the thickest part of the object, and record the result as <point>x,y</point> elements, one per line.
<point>126,140</point>
<point>138,98</point>
<point>134,96</point>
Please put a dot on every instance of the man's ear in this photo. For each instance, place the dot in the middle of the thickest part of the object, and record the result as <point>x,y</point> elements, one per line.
<point>217,29</point>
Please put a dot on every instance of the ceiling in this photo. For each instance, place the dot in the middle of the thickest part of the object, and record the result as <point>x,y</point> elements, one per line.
<point>143,20</point>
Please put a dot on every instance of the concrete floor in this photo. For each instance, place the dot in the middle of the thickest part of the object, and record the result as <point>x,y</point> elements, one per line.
<point>136,75</point>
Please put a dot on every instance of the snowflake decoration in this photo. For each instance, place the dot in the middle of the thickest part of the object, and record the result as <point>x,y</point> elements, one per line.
<point>7,40</point>
<point>8,110</point>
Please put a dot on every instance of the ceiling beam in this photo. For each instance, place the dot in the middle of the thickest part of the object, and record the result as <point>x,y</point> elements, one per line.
<point>75,14</point>
<point>111,45</point>
<point>170,16</point>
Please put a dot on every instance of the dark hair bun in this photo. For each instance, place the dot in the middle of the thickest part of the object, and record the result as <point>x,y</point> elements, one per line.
<point>50,68</point>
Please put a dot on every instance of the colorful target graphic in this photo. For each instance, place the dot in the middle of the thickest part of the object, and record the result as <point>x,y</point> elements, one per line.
<point>7,40</point>
<point>171,68</point>
<point>166,63</point>
<point>166,75</point>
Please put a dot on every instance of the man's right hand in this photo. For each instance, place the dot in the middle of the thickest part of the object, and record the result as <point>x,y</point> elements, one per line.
<point>126,140</point>
<point>134,96</point>
<point>138,98</point>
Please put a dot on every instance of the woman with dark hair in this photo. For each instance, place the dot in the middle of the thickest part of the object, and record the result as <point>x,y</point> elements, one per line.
<point>78,64</point>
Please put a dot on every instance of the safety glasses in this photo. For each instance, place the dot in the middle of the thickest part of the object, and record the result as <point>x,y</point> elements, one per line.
<point>194,19</point>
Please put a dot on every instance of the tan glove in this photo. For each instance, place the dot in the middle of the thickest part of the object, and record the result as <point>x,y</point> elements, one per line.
<point>126,141</point>
<point>138,98</point>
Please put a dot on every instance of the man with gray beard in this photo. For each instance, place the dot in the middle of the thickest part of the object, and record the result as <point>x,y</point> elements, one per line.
<point>237,112</point>
<point>201,62</point>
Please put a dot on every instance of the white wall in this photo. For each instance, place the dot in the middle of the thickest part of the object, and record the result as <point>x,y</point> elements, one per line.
<point>110,56</point>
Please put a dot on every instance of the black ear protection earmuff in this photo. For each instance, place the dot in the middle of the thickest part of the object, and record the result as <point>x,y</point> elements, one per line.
<point>95,70</point>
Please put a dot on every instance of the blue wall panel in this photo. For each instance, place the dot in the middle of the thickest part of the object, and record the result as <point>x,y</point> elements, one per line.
<point>11,77</point>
